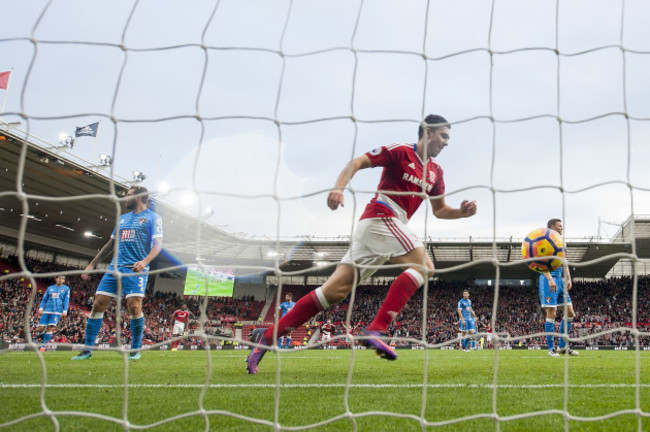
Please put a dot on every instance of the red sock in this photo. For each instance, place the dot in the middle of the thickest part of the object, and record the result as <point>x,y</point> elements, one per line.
<point>305,308</point>
<point>175,344</point>
<point>400,291</point>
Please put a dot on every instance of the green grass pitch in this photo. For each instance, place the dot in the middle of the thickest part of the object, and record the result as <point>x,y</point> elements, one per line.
<point>312,389</point>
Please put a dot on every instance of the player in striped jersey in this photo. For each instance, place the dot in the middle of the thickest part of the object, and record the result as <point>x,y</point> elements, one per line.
<point>285,308</point>
<point>467,321</point>
<point>139,237</point>
<point>409,175</point>
<point>553,293</point>
<point>53,307</point>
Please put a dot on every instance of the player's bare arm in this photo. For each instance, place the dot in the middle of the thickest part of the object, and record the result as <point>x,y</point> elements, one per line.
<point>335,197</point>
<point>103,252</point>
<point>569,284</point>
<point>443,211</point>
<point>551,282</point>
<point>155,250</point>
<point>460,314</point>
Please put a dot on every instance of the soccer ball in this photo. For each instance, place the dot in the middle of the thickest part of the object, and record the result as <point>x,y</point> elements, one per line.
<point>547,246</point>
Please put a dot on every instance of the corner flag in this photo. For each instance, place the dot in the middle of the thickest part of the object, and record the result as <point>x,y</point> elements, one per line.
<point>4,79</point>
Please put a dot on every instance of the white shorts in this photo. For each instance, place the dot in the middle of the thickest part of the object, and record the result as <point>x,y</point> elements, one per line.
<point>179,328</point>
<point>327,336</point>
<point>377,240</point>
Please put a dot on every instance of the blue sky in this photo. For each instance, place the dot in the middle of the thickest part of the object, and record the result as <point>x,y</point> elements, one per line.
<point>260,122</point>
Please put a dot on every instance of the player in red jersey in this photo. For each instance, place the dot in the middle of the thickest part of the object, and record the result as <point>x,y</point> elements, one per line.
<point>381,235</point>
<point>180,317</point>
<point>488,339</point>
<point>327,329</point>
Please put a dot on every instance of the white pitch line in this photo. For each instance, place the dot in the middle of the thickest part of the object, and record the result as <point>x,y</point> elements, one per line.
<point>301,386</point>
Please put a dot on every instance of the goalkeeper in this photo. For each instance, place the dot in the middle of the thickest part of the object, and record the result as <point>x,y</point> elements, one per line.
<point>381,235</point>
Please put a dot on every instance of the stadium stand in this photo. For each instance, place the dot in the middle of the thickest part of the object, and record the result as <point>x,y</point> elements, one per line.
<point>600,306</point>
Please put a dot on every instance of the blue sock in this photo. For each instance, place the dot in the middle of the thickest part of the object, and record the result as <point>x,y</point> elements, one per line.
<point>568,322</point>
<point>473,344</point>
<point>288,345</point>
<point>40,337</point>
<point>137,325</point>
<point>463,343</point>
<point>549,327</point>
<point>46,338</point>
<point>281,342</point>
<point>93,326</point>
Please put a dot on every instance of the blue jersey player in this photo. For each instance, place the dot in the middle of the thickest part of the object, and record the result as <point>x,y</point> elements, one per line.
<point>467,320</point>
<point>139,239</point>
<point>285,341</point>
<point>553,293</point>
<point>53,306</point>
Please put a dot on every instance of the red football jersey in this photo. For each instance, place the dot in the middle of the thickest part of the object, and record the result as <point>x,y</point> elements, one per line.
<point>403,172</point>
<point>327,328</point>
<point>181,315</point>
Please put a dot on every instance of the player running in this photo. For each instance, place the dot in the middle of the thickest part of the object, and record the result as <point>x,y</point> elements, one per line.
<point>467,322</point>
<point>381,235</point>
<point>53,306</point>
<point>285,308</point>
<point>327,329</point>
<point>140,241</point>
<point>180,317</point>
<point>552,293</point>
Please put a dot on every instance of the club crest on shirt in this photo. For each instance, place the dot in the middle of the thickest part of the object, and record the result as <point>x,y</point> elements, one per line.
<point>142,220</point>
<point>432,177</point>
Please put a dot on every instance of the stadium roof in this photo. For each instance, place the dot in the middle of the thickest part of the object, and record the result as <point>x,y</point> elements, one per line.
<point>63,199</point>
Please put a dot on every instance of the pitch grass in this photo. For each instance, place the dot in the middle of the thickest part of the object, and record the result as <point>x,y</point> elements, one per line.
<point>313,390</point>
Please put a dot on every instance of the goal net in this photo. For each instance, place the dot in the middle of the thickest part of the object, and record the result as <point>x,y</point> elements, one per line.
<point>238,116</point>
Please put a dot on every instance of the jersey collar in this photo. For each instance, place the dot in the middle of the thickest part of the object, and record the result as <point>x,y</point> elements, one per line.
<point>415,150</point>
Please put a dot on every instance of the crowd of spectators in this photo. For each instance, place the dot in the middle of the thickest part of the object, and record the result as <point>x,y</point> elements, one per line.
<point>600,307</point>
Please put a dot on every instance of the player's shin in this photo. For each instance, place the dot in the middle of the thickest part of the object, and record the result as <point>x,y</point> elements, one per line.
<point>93,326</point>
<point>305,308</point>
<point>137,326</point>
<point>399,293</point>
<point>47,337</point>
<point>549,327</point>
<point>565,323</point>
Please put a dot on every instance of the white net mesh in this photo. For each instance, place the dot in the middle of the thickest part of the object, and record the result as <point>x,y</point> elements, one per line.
<point>251,108</point>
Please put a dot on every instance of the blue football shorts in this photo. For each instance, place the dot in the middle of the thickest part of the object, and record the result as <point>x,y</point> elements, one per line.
<point>133,283</point>
<point>49,319</point>
<point>549,299</point>
<point>470,324</point>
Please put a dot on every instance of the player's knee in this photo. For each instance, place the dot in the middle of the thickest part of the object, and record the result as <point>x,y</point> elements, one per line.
<point>337,294</point>
<point>418,275</point>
